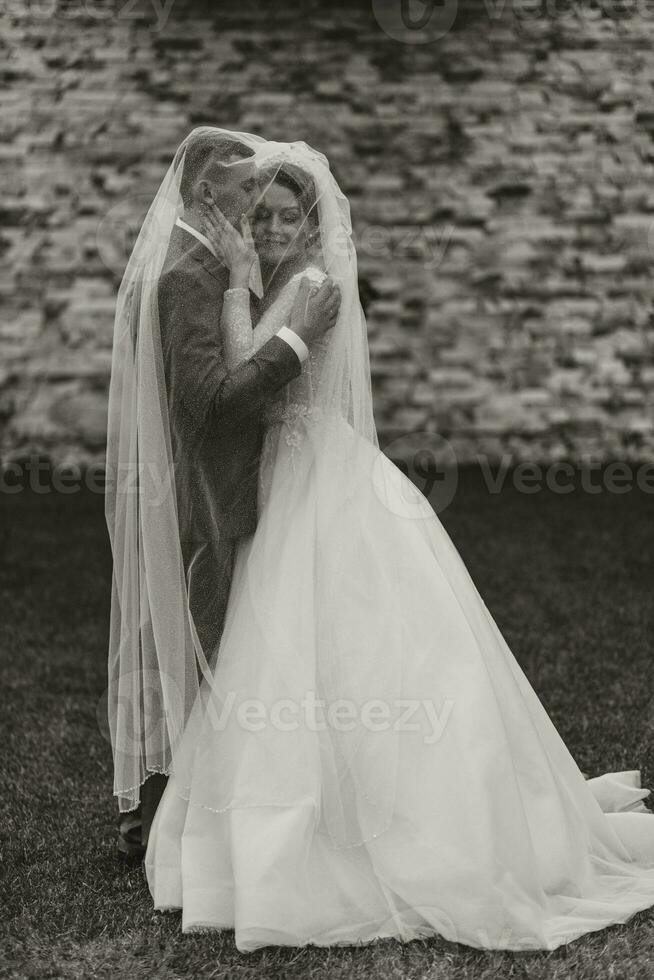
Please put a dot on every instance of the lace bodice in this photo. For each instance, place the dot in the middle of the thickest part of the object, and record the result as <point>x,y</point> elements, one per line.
<point>240,342</point>
<point>296,399</point>
<point>294,406</point>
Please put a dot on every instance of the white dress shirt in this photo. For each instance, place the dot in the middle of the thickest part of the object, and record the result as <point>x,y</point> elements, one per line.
<point>289,336</point>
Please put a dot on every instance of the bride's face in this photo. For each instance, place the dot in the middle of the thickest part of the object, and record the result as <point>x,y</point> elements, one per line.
<point>279,227</point>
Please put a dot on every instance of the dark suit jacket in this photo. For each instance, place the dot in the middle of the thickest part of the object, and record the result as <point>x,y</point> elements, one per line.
<point>215,423</point>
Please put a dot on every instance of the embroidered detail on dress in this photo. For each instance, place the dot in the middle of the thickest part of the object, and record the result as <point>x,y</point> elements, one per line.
<point>293,438</point>
<point>300,410</point>
<point>292,416</point>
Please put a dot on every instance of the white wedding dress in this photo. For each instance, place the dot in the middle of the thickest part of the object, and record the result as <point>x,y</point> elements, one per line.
<point>441,800</point>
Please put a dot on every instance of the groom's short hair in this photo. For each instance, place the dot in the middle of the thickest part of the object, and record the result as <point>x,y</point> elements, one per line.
<point>200,152</point>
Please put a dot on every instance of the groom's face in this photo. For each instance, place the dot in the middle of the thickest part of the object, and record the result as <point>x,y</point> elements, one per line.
<point>232,187</point>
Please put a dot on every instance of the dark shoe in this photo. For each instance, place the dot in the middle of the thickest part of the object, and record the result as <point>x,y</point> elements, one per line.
<point>129,845</point>
<point>151,793</point>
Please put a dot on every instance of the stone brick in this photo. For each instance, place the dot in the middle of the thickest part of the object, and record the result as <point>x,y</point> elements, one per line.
<point>510,304</point>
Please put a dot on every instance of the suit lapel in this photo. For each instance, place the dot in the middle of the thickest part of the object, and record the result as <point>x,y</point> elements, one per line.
<point>208,260</point>
<point>183,246</point>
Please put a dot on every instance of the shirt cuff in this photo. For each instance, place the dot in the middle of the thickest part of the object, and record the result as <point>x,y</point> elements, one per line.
<point>295,341</point>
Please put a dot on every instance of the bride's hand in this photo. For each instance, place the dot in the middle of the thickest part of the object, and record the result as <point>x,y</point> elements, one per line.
<point>315,311</point>
<point>236,250</point>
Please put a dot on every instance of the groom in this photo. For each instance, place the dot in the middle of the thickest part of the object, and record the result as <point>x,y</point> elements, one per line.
<point>215,415</point>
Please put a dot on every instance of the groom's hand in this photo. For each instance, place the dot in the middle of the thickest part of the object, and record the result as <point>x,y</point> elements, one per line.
<point>313,314</point>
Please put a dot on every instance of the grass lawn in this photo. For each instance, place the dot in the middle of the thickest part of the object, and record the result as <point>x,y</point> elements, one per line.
<point>570,581</point>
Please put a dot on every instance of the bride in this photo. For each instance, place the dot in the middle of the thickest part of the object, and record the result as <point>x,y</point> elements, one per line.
<point>364,757</point>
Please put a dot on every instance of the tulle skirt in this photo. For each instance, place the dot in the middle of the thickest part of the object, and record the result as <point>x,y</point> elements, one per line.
<point>370,761</point>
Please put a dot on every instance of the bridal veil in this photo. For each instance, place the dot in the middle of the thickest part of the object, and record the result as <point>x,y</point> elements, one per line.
<point>159,667</point>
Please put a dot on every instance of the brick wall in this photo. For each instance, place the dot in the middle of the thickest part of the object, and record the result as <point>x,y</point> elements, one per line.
<point>500,180</point>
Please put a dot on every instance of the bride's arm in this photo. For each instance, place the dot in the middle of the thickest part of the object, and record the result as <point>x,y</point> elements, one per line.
<point>236,327</point>
<point>276,317</point>
<point>238,252</point>
<point>240,341</point>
